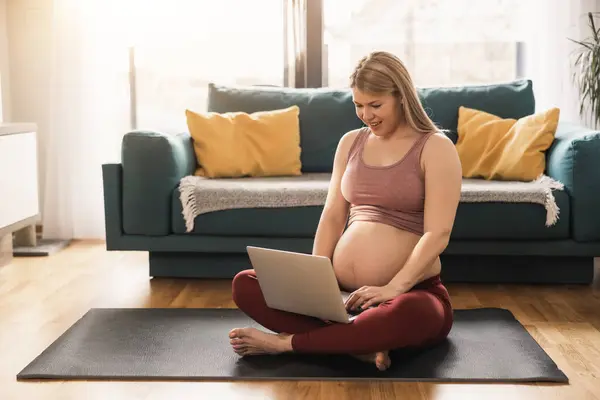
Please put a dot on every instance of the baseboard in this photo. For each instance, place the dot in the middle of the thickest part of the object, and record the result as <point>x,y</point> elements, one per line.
<point>42,248</point>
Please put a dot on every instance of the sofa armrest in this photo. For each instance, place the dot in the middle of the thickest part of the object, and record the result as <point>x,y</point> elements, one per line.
<point>153,164</point>
<point>574,160</point>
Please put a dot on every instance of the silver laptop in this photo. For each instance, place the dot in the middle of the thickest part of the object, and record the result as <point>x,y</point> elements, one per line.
<point>299,283</point>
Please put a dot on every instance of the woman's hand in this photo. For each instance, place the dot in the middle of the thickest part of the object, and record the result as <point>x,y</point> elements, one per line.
<point>368,296</point>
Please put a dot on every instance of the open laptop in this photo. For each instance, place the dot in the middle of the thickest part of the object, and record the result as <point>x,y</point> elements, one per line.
<point>299,283</point>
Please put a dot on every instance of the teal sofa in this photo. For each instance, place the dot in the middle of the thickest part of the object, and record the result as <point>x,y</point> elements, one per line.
<point>491,242</point>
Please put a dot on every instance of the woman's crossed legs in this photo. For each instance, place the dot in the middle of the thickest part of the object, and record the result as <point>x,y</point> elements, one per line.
<point>419,317</point>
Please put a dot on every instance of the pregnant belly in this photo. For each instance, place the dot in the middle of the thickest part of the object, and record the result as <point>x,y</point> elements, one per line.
<point>371,254</point>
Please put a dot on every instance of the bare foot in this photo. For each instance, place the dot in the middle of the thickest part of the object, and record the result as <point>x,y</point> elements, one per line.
<point>251,341</point>
<point>381,359</point>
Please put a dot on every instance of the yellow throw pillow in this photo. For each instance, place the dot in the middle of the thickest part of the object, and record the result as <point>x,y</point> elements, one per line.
<point>497,148</point>
<point>238,144</point>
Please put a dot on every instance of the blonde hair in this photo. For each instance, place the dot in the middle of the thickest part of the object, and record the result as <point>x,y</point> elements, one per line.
<point>381,72</point>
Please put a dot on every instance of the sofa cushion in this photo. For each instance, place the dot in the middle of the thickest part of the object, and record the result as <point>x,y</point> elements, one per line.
<point>474,221</point>
<point>511,221</point>
<point>506,100</point>
<point>236,144</point>
<point>297,222</point>
<point>152,163</point>
<point>573,160</point>
<point>508,149</point>
<point>325,115</point>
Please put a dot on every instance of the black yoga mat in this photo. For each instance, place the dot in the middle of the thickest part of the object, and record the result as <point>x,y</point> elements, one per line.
<point>486,344</point>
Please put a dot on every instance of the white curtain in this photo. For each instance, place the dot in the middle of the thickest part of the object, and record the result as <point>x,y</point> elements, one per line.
<point>89,115</point>
<point>549,52</point>
<point>90,84</point>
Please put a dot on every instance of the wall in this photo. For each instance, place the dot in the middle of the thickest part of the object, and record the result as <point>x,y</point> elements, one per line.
<point>4,65</point>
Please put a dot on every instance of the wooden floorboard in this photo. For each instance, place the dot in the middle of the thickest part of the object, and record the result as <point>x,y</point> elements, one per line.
<point>42,297</point>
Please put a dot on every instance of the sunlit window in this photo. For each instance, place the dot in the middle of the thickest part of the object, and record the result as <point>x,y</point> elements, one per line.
<point>441,42</point>
<point>196,42</point>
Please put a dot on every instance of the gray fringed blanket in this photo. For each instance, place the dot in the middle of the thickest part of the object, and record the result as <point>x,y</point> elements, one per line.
<point>202,195</point>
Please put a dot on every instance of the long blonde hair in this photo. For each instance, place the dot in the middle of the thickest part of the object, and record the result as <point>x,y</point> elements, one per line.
<point>381,72</point>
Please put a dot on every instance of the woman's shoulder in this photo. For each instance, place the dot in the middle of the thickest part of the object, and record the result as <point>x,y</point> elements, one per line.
<point>437,141</point>
<point>439,149</point>
<point>350,140</point>
<point>353,134</point>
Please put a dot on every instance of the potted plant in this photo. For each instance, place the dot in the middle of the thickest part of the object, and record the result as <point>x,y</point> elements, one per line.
<point>586,74</point>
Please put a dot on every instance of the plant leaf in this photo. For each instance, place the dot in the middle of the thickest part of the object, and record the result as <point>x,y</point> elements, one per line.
<point>586,72</point>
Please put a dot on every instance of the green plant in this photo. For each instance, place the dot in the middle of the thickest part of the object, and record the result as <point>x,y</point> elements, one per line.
<point>586,74</point>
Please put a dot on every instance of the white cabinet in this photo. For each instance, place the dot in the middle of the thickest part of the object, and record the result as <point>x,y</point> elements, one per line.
<point>19,204</point>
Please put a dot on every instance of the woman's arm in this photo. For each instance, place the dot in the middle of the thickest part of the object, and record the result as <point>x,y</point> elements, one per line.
<point>443,181</point>
<point>328,234</point>
<point>335,212</point>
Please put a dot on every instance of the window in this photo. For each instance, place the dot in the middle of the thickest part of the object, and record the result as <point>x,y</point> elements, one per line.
<point>441,42</point>
<point>197,42</point>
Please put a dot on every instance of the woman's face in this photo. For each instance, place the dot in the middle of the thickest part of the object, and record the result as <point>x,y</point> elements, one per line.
<point>378,112</point>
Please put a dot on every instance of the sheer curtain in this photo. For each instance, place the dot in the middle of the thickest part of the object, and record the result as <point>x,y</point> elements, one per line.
<point>295,47</point>
<point>89,115</point>
<point>180,46</point>
<point>549,52</point>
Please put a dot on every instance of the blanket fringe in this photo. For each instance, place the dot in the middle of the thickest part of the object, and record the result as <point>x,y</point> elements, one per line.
<point>188,200</point>
<point>552,210</point>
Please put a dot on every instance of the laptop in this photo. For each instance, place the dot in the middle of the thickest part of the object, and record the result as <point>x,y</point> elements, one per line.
<point>300,283</point>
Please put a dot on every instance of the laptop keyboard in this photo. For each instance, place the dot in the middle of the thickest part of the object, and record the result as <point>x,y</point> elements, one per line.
<point>352,313</point>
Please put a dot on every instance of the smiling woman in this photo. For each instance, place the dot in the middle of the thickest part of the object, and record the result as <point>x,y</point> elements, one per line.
<point>384,93</point>
<point>399,181</point>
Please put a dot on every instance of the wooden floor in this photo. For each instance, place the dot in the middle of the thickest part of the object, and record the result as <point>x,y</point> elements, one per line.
<point>42,297</point>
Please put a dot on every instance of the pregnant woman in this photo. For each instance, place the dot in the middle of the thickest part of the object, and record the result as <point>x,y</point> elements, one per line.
<point>389,212</point>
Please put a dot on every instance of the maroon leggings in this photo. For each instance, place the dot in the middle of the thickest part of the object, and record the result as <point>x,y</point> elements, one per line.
<point>420,317</point>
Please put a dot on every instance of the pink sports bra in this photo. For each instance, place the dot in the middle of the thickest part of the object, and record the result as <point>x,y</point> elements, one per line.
<point>392,194</point>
